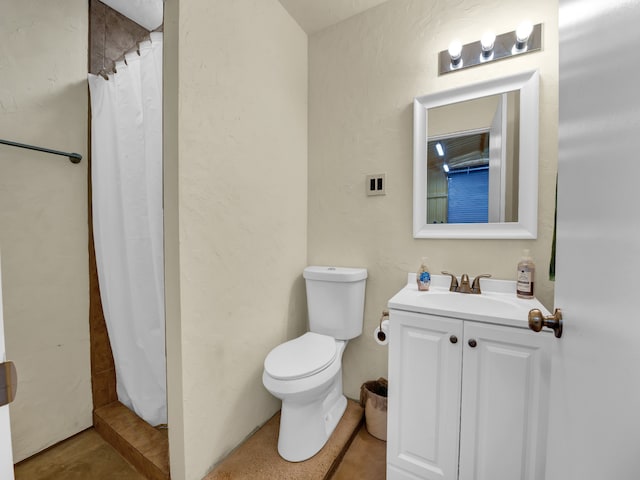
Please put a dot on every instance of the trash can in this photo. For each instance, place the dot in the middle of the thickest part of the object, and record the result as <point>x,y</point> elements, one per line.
<point>373,398</point>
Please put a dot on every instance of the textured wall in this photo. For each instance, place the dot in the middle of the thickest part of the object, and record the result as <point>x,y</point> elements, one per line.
<point>43,218</point>
<point>363,76</point>
<point>236,216</point>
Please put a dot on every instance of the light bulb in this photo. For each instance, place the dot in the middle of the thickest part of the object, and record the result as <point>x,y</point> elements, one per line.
<point>487,41</point>
<point>522,34</point>
<point>445,167</point>
<point>439,149</point>
<point>455,52</point>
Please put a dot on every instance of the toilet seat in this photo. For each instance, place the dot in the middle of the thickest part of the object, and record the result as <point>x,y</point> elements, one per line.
<point>301,357</point>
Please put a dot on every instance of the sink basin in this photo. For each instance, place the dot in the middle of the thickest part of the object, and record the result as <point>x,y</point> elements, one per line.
<point>484,304</point>
<point>497,303</point>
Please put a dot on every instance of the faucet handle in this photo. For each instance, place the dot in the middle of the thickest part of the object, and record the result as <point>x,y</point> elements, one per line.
<point>454,282</point>
<point>475,287</point>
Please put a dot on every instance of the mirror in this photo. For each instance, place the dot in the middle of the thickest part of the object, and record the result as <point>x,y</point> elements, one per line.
<point>476,160</point>
<point>472,161</point>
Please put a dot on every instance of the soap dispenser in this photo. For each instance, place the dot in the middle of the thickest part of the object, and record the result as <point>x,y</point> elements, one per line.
<point>525,276</point>
<point>423,276</point>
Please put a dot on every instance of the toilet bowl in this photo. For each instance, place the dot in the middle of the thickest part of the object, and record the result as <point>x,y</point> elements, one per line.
<point>306,374</point>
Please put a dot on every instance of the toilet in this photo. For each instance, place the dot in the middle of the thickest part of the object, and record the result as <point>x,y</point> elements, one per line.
<point>306,372</point>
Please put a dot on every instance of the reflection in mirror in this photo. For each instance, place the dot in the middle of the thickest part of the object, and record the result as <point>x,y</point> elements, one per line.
<point>476,160</point>
<point>472,161</point>
<point>458,179</point>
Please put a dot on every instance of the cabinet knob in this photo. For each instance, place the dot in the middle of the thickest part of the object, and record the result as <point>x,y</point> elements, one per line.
<point>453,339</point>
<point>473,343</point>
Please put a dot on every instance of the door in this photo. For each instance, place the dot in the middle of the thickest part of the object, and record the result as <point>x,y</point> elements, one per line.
<point>425,366</point>
<point>595,394</point>
<point>6,456</point>
<point>505,398</point>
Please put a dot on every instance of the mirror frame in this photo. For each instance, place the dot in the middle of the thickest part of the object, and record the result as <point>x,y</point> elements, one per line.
<point>527,225</point>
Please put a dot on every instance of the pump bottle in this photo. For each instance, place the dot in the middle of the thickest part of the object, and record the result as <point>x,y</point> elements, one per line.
<point>423,276</point>
<point>525,276</point>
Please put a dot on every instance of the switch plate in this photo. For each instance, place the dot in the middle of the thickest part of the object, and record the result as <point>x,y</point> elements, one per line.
<point>376,184</point>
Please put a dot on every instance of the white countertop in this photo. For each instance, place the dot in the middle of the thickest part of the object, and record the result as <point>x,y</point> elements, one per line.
<point>497,304</point>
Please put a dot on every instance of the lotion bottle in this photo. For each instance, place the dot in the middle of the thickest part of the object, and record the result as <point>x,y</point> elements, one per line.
<point>423,276</point>
<point>525,276</point>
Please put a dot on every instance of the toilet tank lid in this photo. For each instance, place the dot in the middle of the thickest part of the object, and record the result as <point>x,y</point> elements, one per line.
<point>335,274</point>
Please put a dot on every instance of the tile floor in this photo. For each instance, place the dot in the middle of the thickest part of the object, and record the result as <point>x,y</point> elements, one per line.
<point>87,456</point>
<point>365,459</point>
<point>257,458</point>
<point>145,447</point>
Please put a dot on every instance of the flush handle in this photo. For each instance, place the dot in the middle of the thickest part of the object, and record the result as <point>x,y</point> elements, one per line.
<point>554,322</point>
<point>8,383</point>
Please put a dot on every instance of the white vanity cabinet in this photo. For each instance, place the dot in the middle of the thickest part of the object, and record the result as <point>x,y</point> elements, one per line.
<point>467,399</point>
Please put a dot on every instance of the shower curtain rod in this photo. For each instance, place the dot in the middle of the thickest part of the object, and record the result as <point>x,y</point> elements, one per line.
<point>73,157</point>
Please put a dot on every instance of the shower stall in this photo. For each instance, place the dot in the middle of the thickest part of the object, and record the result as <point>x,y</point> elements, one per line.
<point>126,179</point>
<point>127,264</point>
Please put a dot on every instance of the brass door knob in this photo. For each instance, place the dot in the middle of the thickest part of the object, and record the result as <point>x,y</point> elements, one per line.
<point>8,383</point>
<point>554,322</point>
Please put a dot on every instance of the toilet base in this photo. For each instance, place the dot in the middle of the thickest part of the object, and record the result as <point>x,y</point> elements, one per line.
<point>306,427</point>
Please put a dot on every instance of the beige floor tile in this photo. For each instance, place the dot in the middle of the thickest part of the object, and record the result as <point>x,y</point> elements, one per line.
<point>81,457</point>
<point>366,459</point>
<point>87,456</point>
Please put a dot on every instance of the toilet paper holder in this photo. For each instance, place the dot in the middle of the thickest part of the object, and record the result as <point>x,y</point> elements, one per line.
<point>382,336</point>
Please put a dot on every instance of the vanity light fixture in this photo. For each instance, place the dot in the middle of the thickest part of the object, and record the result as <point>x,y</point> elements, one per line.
<point>439,149</point>
<point>526,38</point>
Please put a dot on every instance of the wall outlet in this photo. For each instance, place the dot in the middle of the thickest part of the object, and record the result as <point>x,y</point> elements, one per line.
<point>376,184</point>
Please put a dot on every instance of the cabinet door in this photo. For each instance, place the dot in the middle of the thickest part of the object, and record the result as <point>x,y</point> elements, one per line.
<point>504,403</point>
<point>424,396</point>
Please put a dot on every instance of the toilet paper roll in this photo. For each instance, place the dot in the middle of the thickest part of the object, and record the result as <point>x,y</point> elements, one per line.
<point>381,334</point>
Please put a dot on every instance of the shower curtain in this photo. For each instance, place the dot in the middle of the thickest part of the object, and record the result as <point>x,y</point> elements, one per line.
<point>126,164</point>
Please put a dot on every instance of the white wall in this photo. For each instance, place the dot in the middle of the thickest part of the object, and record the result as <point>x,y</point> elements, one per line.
<point>43,219</point>
<point>363,76</point>
<point>236,216</point>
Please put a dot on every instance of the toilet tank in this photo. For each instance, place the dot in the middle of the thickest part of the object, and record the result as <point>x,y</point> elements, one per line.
<point>335,300</point>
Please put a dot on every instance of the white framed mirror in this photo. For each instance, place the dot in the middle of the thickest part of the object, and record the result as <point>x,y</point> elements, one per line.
<point>475,160</point>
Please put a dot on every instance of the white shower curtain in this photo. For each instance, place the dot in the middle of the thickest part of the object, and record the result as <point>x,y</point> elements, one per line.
<point>126,164</point>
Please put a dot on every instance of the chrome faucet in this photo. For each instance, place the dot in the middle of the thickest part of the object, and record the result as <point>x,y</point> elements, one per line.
<point>465,286</point>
